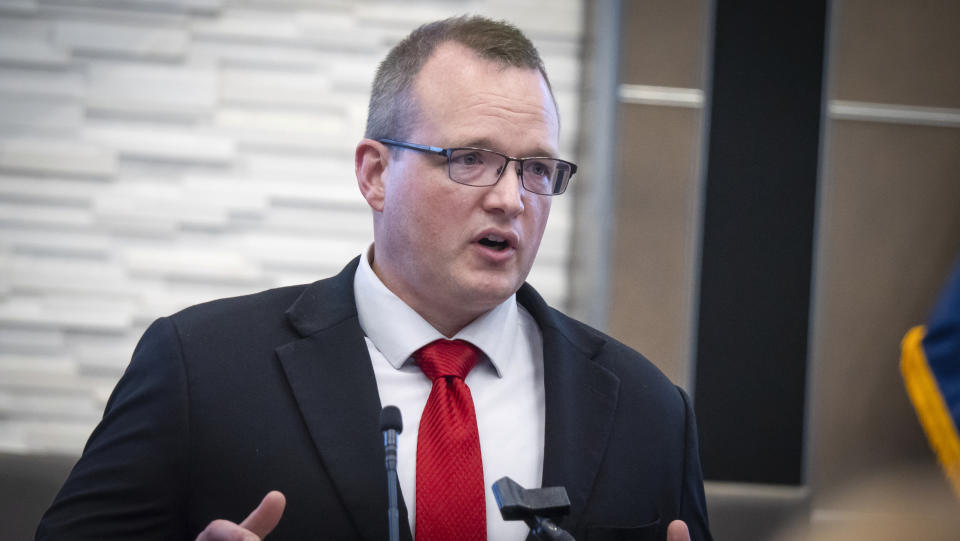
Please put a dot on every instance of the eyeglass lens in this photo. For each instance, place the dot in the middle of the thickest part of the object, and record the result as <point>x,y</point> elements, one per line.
<point>483,168</point>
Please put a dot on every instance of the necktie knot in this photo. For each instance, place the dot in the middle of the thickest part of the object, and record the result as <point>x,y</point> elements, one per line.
<point>446,358</point>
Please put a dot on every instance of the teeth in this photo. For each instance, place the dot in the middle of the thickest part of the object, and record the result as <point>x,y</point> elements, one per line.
<point>494,238</point>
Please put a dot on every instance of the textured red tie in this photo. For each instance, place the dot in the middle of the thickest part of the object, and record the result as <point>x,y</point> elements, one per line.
<point>450,497</point>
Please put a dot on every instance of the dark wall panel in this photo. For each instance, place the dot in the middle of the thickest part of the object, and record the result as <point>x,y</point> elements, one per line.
<point>757,243</point>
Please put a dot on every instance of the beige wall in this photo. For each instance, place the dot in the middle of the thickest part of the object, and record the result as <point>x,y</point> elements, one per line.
<point>654,252</point>
<point>889,222</point>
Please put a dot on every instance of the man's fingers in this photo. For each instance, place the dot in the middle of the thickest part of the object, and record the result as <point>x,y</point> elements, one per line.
<point>224,530</point>
<point>255,527</point>
<point>265,517</point>
<point>677,531</point>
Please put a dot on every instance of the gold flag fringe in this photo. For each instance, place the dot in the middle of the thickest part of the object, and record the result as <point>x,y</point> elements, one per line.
<point>930,406</point>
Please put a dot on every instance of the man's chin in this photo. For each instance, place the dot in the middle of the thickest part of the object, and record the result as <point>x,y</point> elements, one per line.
<point>491,291</point>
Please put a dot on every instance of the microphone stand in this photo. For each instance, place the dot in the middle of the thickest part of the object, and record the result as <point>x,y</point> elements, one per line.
<point>391,424</point>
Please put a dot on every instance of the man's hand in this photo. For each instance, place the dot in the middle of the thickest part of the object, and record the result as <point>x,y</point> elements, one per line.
<point>677,531</point>
<point>255,527</point>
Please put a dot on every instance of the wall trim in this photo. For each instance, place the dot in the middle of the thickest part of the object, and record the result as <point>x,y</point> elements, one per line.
<point>661,95</point>
<point>896,114</point>
<point>727,489</point>
<point>838,109</point>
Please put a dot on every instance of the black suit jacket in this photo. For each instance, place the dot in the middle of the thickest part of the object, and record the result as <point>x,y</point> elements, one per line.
<point>227,400</point>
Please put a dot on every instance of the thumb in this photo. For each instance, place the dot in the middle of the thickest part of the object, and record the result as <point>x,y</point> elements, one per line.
<point>677,531</point>
<point>265,517</point>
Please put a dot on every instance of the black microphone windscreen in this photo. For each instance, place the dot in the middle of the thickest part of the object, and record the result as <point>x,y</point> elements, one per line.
<point>390,419</point>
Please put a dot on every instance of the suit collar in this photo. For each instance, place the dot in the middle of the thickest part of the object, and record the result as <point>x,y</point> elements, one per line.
<point>329,371</point>
<point>397,330</point>
<point>325,303</point>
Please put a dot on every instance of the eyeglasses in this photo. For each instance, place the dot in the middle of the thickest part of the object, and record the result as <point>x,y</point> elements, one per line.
<point>482,167</point>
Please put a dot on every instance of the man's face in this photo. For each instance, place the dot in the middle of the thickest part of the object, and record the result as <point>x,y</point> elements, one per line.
<point>432,238</point>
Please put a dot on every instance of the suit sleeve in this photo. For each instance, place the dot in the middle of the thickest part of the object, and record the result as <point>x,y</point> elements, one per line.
<point>693,507</point>
<point>128,484</point>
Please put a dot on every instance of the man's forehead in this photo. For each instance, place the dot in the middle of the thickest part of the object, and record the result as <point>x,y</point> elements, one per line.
<point>529,149</point>
<point>458,80</point>
<point>455,64</point>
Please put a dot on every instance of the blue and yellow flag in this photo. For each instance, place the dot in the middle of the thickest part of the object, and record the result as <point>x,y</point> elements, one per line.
<point>930,363</point>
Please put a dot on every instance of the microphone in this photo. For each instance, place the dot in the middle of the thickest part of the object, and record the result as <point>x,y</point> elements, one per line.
<point>535,506</point>
<point>391,424</point>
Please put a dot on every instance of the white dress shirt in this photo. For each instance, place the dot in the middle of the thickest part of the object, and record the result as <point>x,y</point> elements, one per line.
<point>507,388</point>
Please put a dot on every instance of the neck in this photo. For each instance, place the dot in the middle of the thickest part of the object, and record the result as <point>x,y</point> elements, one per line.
<point>449,320</point>
<point>447,326</point>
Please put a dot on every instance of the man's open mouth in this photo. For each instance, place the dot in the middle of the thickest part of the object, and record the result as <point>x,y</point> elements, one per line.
<point>495,242</point>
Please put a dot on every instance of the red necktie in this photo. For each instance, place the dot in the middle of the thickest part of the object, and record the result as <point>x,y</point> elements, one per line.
<point>450,497</point>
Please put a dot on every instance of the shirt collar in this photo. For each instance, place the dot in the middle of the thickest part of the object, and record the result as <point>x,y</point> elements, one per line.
<point>398,331</point>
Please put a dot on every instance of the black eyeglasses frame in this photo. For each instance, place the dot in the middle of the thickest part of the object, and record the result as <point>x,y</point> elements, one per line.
<point>448,152</point>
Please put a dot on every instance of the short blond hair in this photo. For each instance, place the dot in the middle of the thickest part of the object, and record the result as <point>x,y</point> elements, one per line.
<point>392,109</point>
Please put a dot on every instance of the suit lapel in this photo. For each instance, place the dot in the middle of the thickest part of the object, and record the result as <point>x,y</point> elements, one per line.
<point>332,379</point>
<point>330,373</point>
<point>581,398</point>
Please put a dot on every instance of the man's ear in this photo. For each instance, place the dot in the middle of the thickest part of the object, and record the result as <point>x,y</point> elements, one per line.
<point>370,163</point>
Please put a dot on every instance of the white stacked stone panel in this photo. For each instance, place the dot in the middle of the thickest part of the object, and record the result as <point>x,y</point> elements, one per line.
<point>159,153</point>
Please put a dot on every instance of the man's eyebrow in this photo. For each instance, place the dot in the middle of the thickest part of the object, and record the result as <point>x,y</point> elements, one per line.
<point>489,145</point>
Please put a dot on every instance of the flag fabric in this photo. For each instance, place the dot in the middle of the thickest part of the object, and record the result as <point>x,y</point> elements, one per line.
<point>930,364</point>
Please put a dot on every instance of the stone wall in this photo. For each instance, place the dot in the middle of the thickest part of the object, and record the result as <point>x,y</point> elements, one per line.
<point>159,153</point>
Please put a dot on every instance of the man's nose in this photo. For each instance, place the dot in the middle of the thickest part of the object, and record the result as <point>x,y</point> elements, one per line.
<point>507,194</point>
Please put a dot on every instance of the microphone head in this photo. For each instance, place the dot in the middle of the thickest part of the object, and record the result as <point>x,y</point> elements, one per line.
<point>390,419</point>
<point>518,503</point>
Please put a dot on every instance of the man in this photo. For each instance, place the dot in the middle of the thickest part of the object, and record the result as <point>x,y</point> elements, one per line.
<point>226,401</point>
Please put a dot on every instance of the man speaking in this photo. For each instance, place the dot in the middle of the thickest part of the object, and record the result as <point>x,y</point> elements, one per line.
<point>259,415</point>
